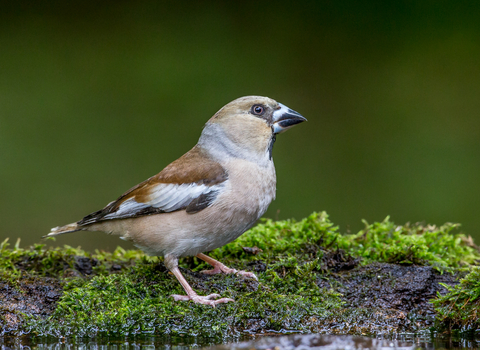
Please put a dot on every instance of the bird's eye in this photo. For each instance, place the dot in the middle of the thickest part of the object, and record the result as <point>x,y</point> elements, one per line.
<point>258,109</point>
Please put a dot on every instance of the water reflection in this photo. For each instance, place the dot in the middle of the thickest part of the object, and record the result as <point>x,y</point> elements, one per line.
<point>291,342</point>
<point>320,342</point>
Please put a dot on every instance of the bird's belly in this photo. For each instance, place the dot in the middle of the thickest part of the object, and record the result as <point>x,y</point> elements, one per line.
<point>234,213</point>
<point>183,234</point>
<point>249,192</point>
<point>247,196</point>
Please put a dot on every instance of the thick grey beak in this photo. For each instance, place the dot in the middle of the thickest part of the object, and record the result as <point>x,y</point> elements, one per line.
<point>284,118</point>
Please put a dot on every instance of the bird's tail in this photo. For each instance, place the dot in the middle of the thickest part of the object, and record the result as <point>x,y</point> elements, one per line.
<point>59,230</point>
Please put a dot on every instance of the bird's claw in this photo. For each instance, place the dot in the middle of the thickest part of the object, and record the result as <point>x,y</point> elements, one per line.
<point>200,299</point>
<point>227,270</point>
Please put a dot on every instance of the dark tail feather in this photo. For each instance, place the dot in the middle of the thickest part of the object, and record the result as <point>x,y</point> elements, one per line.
<point>60,230</point>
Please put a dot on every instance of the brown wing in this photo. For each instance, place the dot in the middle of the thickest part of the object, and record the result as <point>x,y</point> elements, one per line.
<point>192,182</point>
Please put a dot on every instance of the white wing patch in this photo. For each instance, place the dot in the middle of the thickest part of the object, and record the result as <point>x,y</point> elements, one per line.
<point>165,197</point>
<point>128,208</point>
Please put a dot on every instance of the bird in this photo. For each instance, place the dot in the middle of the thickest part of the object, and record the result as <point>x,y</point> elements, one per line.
<point>206,198</point>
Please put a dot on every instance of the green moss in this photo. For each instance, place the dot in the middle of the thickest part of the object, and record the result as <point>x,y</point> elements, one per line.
<point>460,307</point>
<point>441,247</point>
<point>128,293</point>
<point>419,244</point>
<point>40,260</point>
<point>138,301</point>
<point>36,260</point>
<point>280,237</point>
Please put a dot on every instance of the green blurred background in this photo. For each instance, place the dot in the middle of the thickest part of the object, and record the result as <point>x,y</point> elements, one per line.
<point>97,96</point>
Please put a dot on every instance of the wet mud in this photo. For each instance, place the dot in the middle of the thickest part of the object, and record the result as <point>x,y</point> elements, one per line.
<point>33,296</point>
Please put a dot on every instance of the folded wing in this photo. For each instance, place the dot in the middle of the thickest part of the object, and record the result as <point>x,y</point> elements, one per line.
<point>191,183</point>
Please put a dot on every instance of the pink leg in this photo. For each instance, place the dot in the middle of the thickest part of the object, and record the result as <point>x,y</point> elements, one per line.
<point>172,265</point>
<point>218,267</point>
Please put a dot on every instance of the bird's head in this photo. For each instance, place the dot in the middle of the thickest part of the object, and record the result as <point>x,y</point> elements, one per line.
<point>247,126</point>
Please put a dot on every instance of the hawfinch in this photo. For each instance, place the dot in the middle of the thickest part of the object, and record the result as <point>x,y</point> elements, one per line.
<point>206,198</point>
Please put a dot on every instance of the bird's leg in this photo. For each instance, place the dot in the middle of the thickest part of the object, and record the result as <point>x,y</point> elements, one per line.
<point>172,265</point>
<point>218,267</point>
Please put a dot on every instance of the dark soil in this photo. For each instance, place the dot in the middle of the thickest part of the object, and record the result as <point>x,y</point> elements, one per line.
<point>390,286</point>
<point>29,296</point>
<point>396,297</point>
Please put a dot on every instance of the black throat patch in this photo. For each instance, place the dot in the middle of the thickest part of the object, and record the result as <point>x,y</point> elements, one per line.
<point>270,146</point>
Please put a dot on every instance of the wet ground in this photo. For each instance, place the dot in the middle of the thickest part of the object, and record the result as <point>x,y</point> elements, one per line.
<point>396,297</point>
<point>34,296</point>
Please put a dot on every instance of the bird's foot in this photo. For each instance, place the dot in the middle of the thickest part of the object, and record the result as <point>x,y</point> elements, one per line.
<point>227,270</point>
<point>200,299</point>
<point>218,267</point>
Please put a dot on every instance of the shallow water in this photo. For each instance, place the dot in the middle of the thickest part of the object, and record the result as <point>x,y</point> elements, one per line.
<point>290,342</point>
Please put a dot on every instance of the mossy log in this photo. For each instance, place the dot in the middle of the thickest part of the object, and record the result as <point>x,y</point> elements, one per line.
<point>312,279</point>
